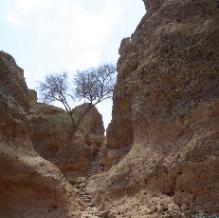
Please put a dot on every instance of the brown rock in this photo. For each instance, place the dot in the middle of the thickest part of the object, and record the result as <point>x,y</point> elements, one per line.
<point>29,185</point>
<point>166,111</point>
<point>52,138</point>
<point>152,5</point>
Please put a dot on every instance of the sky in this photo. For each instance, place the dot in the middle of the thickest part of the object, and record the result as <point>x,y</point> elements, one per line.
<point>54,36</point>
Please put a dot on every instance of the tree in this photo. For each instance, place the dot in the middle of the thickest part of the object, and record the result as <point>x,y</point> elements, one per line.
<point>94,85</point>
<point>55,88</point>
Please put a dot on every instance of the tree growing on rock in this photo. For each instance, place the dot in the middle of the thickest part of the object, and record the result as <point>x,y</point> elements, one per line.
<point>93,85</point>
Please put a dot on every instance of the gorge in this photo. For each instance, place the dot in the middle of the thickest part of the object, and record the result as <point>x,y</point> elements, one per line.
<point>160,155</point>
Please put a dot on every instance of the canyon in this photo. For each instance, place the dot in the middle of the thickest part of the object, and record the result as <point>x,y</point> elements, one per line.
<point>160,155</point>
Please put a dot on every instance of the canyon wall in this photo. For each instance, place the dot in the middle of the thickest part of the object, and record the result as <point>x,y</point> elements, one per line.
<point>29,185</point>
<point>52,138</point>
<point>164,133</point>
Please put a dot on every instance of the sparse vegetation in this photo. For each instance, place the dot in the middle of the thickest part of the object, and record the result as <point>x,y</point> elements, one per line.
<point>93,85</point>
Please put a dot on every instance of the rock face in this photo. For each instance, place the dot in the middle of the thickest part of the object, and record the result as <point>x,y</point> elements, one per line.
<point>29,185</point>
<point>166,114</point>
<point>52,138</point>
<point>151,5</point>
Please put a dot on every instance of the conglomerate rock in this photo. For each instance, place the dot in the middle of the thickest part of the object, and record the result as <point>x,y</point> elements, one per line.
<point>165,115</point>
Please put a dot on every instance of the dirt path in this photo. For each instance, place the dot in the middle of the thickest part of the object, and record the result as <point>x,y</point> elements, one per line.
<point>91,210</point>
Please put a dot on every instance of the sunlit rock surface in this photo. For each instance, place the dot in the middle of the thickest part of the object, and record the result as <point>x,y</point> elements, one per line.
<point>29,185</point>
<point>165,116</point>
<point>52,138</point>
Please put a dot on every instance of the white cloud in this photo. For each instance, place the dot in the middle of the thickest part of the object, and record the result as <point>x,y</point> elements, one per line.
<point>58,35</point>
<point>27,6</point>
<point>69,28</point>
<point>90,31</point>
<point>12,18</point>
<point>18,10</point>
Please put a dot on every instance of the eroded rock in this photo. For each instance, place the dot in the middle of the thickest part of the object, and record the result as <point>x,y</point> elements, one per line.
<point>29,185</point>
<point>52,138</point>
<point>166,112</point>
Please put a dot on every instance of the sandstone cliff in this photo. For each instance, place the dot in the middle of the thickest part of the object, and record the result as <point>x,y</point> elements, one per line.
<point>29,185</point>
<point>52,138</point>
<point>165,115</point>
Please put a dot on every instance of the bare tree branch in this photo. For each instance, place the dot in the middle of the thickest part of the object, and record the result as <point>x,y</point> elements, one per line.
<point>94,85</point>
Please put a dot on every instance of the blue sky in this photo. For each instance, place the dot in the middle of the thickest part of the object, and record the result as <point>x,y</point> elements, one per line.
<point>46,36</point>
